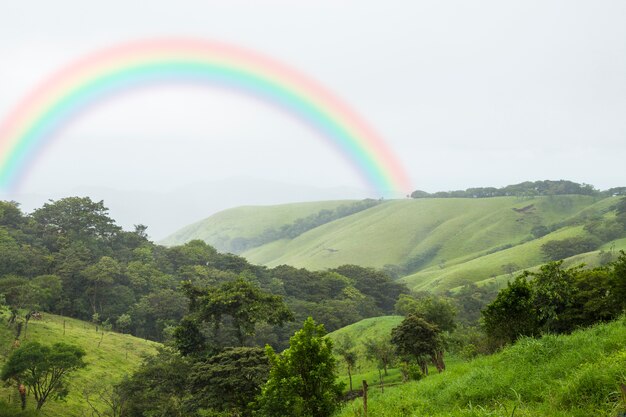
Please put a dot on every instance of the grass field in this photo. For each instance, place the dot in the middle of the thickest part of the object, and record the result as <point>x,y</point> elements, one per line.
<point>574,375</point>
<point>108,358</point>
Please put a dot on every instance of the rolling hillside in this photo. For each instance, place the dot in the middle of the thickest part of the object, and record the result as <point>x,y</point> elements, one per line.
<point>575,375</point>
<point>108,358</point>
<point>222,228</point>
<point>435,244</point>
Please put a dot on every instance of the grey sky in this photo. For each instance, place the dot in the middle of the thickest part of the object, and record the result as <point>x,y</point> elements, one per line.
<point>467,93</point>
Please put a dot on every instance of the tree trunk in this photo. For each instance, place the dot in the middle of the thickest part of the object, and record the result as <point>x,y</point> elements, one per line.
<point>424,366</point>
<point>437,359</point>
<point>350,377</point>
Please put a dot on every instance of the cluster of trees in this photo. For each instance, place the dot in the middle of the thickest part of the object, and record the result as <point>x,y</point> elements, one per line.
<point>424,333</point>
<point>238,380</point>
<point>69,257</point>
<point>524,189</point>
<point>299,226</point>
<point>556,300</point>
<point>213,311</point>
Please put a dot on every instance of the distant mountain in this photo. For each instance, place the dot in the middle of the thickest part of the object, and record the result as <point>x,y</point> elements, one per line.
<point>432,244</point>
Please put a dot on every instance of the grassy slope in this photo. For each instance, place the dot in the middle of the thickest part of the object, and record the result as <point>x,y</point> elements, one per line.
<point>359,332</point>
<point>372,328</point>
<point>117,355</point>
<point>246,222</point>
<point>393,232</point>
<point>558,376</point>
<point>470,235</point>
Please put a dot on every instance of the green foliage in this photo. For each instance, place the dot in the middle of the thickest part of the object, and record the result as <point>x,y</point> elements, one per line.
<point>230,380</point>
<point>527,188</point>
<point>157,388</point>
<point>380,351</point>
<point>512,314</point>
<point>556,300</point>
<point>375,284</point>
<point>244,303</point>
<point>43,369</point>
<point>345,348</point>
<point>560,249</point>
<point>436,310</point>
<point>302,379</point>
<point>416,338</point>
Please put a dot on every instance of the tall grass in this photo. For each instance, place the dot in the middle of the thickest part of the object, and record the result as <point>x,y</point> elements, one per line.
<point>575,375</point>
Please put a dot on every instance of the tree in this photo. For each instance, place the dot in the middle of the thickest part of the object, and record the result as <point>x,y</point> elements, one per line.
<point>555,250</point>
<point>512,314</point>
<point>76,218</point>
<point>123,322</point>
<point>417,338</point>
<point>434,309</point>
<point>381,351</point>
<point>302,379</point>
<point>553,292</point>
<point>43,369</point>
<point>230,380</point>
<point>345,349</point>
<point>240,300</point>
<point>101,275</point>
<point>158,388</point>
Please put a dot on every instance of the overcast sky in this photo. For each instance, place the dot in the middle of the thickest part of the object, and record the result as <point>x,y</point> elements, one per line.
<point>467,93</point>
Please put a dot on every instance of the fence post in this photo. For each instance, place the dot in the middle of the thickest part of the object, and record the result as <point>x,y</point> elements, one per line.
<point>365,398</point>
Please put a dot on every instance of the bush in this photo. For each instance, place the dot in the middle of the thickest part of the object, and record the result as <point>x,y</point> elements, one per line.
<point>555,250</point>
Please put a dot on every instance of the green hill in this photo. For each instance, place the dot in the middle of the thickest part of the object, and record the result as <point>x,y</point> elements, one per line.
<point>435,243</point>
<point>575,375</point>
<point>372,328</point>
<point>222,228</point>
<point>109,357</point>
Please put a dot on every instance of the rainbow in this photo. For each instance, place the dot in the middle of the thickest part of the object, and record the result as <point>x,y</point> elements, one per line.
<point>62,97</point>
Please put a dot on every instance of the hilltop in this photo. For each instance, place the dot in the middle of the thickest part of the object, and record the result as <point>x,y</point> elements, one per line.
<point>430,243</point>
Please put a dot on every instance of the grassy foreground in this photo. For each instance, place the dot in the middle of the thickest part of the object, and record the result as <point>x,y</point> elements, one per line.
<point>575,375</point>
<point>108,358</point>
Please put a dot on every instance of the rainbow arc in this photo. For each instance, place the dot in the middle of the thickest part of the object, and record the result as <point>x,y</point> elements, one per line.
<point>61,99</point>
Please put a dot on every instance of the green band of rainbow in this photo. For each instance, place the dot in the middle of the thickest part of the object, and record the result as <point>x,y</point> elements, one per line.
<point>60,99</point>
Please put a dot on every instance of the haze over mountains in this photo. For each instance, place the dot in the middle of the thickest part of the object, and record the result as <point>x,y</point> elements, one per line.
<point>169,210</point>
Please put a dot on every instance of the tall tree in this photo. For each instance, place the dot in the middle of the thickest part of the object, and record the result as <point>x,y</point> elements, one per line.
<point>417,338</point>
<point>43,369</point>
<point>346,349</point>
<point>101,275</point>
<point>230,380</point>
<point>512,314</point>
<point>243,302</point>
<point>302,379</point>
<point>381,351</point>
